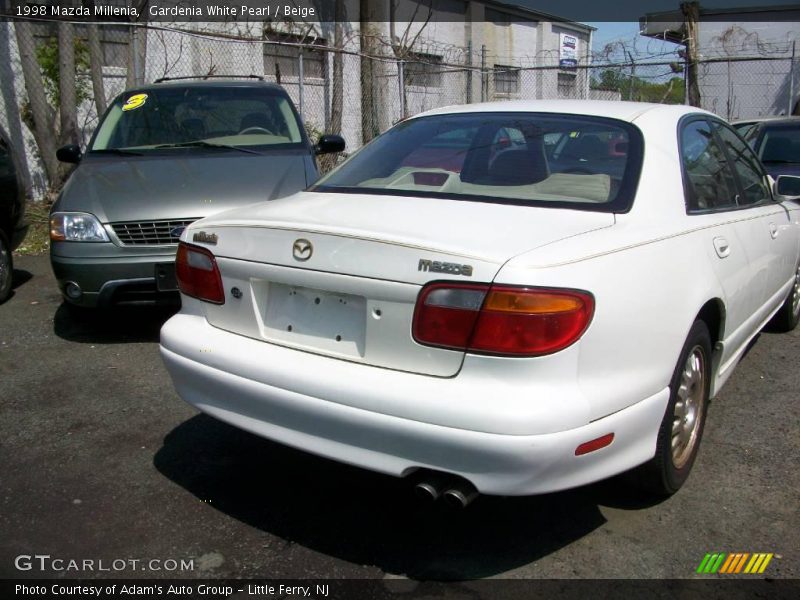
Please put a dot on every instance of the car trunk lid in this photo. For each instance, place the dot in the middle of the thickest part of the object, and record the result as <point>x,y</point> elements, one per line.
<point>339,274</point>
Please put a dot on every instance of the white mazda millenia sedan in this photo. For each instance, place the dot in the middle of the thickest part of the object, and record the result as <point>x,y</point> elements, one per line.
<point>508,298</point>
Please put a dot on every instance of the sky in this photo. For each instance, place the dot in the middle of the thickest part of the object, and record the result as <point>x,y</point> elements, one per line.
<point>627,32</point>
<point>623,18</point>
<point>627,10</point>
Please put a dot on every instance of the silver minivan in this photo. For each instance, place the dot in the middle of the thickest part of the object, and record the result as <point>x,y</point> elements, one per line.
<point>163,156</point>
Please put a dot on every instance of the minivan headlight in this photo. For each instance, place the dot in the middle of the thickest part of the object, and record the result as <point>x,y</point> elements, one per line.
<point>76,227</point>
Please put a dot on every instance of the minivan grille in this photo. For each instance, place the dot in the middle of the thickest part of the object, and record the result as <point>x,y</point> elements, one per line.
<point>150,232</point>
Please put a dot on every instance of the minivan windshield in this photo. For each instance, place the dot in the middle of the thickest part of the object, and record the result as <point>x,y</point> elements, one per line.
<point>197,117</point>
<point>541,159</point>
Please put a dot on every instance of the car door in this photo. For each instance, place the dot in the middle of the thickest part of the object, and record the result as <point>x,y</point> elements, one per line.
<point>710,189</point>
<point>766,225</point>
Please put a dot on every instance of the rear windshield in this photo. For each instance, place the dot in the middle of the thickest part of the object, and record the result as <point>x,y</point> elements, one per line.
<point>539,159</point>
<point>239,116</point>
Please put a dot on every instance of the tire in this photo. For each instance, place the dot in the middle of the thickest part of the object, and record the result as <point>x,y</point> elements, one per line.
<point>787,317</point>
<point>681,429</point>
<point>6,268</point>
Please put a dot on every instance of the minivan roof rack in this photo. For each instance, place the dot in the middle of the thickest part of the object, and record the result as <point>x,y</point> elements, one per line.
<point>163,79</point>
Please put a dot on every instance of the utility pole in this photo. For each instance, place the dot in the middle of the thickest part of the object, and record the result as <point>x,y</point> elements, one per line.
<point>633,76</point>
<point>791,80</point>
<point>691,18</point>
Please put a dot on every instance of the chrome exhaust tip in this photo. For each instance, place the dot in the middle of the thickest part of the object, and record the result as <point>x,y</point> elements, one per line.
<point>427,491</point>
<point>461,495</point>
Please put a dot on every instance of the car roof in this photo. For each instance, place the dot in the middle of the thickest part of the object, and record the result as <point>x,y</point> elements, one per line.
<point>625,111</point>
<point>777,120</point>
<point>205,83</point>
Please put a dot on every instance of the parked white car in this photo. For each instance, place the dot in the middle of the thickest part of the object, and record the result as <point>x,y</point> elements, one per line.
<point>509,298</point>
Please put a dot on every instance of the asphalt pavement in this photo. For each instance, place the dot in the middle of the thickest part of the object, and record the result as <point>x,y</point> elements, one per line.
<point>100,460</point>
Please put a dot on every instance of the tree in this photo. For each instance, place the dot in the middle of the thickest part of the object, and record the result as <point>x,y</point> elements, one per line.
<point>137,46</point>
<point>96,63</point>
<point>337,101</point>
<point>68,100</point>
<point>368,88</point>
<point>42,114</point>
<point>640,89</point>
<point>403,44</point>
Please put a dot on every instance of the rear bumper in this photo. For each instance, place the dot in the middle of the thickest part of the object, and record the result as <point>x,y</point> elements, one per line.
<point>306,414</point>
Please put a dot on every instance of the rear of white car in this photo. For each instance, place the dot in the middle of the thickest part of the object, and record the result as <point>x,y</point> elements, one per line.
<point>438,323</point>
<point>333,363</point>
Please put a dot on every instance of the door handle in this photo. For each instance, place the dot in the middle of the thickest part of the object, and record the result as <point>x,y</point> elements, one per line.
<point>722,247</point>
<point>773,230</point>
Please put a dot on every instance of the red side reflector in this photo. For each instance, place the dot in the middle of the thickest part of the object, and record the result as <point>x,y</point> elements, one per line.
<point>593,445</point>
<point>198,274</point>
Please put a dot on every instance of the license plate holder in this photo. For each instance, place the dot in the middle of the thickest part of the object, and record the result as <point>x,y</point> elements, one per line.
<point>316,319</point>
<point>166,279</point>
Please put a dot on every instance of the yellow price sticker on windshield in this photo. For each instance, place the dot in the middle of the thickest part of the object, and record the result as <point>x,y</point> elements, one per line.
<point>135,101</point>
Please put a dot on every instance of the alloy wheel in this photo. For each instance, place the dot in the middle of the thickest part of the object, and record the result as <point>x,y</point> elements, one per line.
<point>689,407</point>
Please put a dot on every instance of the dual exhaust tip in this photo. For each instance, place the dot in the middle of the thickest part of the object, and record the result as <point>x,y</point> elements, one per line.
<point>454,491</point>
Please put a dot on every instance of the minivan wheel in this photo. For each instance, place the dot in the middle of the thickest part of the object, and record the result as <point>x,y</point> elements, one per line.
<point>682,427</point>
<point>6,268</point>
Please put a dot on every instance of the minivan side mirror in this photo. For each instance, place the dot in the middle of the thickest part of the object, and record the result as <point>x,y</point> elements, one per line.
<point>71,153</point>
<point>787,186</point>
<point>329,143</point>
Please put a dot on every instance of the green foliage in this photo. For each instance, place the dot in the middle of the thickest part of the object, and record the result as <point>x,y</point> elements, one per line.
<point>312,131</point>
<point>640,90</point>
<point>47,57</point>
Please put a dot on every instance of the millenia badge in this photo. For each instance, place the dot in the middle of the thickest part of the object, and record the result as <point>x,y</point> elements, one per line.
<point>737,562</point>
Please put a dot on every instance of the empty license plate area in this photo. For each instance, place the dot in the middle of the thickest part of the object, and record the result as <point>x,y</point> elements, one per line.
<point>166,281</point>
<point>315,319</point>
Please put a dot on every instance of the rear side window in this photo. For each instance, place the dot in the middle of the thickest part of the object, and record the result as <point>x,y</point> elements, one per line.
<point>708,179</point>
<point>541,159</point>
<point>751,177</point>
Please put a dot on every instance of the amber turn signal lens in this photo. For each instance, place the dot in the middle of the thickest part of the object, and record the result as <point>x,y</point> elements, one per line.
<point>531,302</point>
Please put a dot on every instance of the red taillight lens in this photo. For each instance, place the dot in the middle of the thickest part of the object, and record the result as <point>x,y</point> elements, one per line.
<point>505,320</point>
<point>198,274</point>
<point>445,314</point>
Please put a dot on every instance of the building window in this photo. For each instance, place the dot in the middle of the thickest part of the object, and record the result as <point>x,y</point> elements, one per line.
<point>113,41</point>
<point>567,85</point>
<point>282,60</point>
<point>504,19</point>
<point>424,70</point>
<point>506,80</point>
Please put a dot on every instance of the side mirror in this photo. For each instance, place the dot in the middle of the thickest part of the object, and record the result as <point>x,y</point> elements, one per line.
<point>69,154</point>
<point>787,186</point>
<point>329,143</point>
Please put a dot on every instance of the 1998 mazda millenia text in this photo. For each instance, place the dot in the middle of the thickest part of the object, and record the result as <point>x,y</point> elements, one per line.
<point>614,260</point>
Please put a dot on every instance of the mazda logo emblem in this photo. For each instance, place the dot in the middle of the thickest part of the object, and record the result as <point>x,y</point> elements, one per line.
<point>302,250</point>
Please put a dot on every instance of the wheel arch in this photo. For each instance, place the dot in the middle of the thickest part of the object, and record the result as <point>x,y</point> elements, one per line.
<point>713,314</point>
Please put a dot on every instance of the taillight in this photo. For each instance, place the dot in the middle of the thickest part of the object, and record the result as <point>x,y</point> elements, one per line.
<point>499,319</point>
<point>198,274</point>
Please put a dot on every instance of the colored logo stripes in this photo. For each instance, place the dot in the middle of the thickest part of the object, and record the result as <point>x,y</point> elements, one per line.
<point>736,562</point>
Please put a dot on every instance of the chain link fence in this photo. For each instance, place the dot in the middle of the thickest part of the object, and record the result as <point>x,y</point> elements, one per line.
<point>343,88</point>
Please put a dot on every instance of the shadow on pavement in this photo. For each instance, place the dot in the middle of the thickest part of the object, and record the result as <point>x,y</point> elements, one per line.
<point>371,519</point>
<point>112,326</point>
<point>19,278</point>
